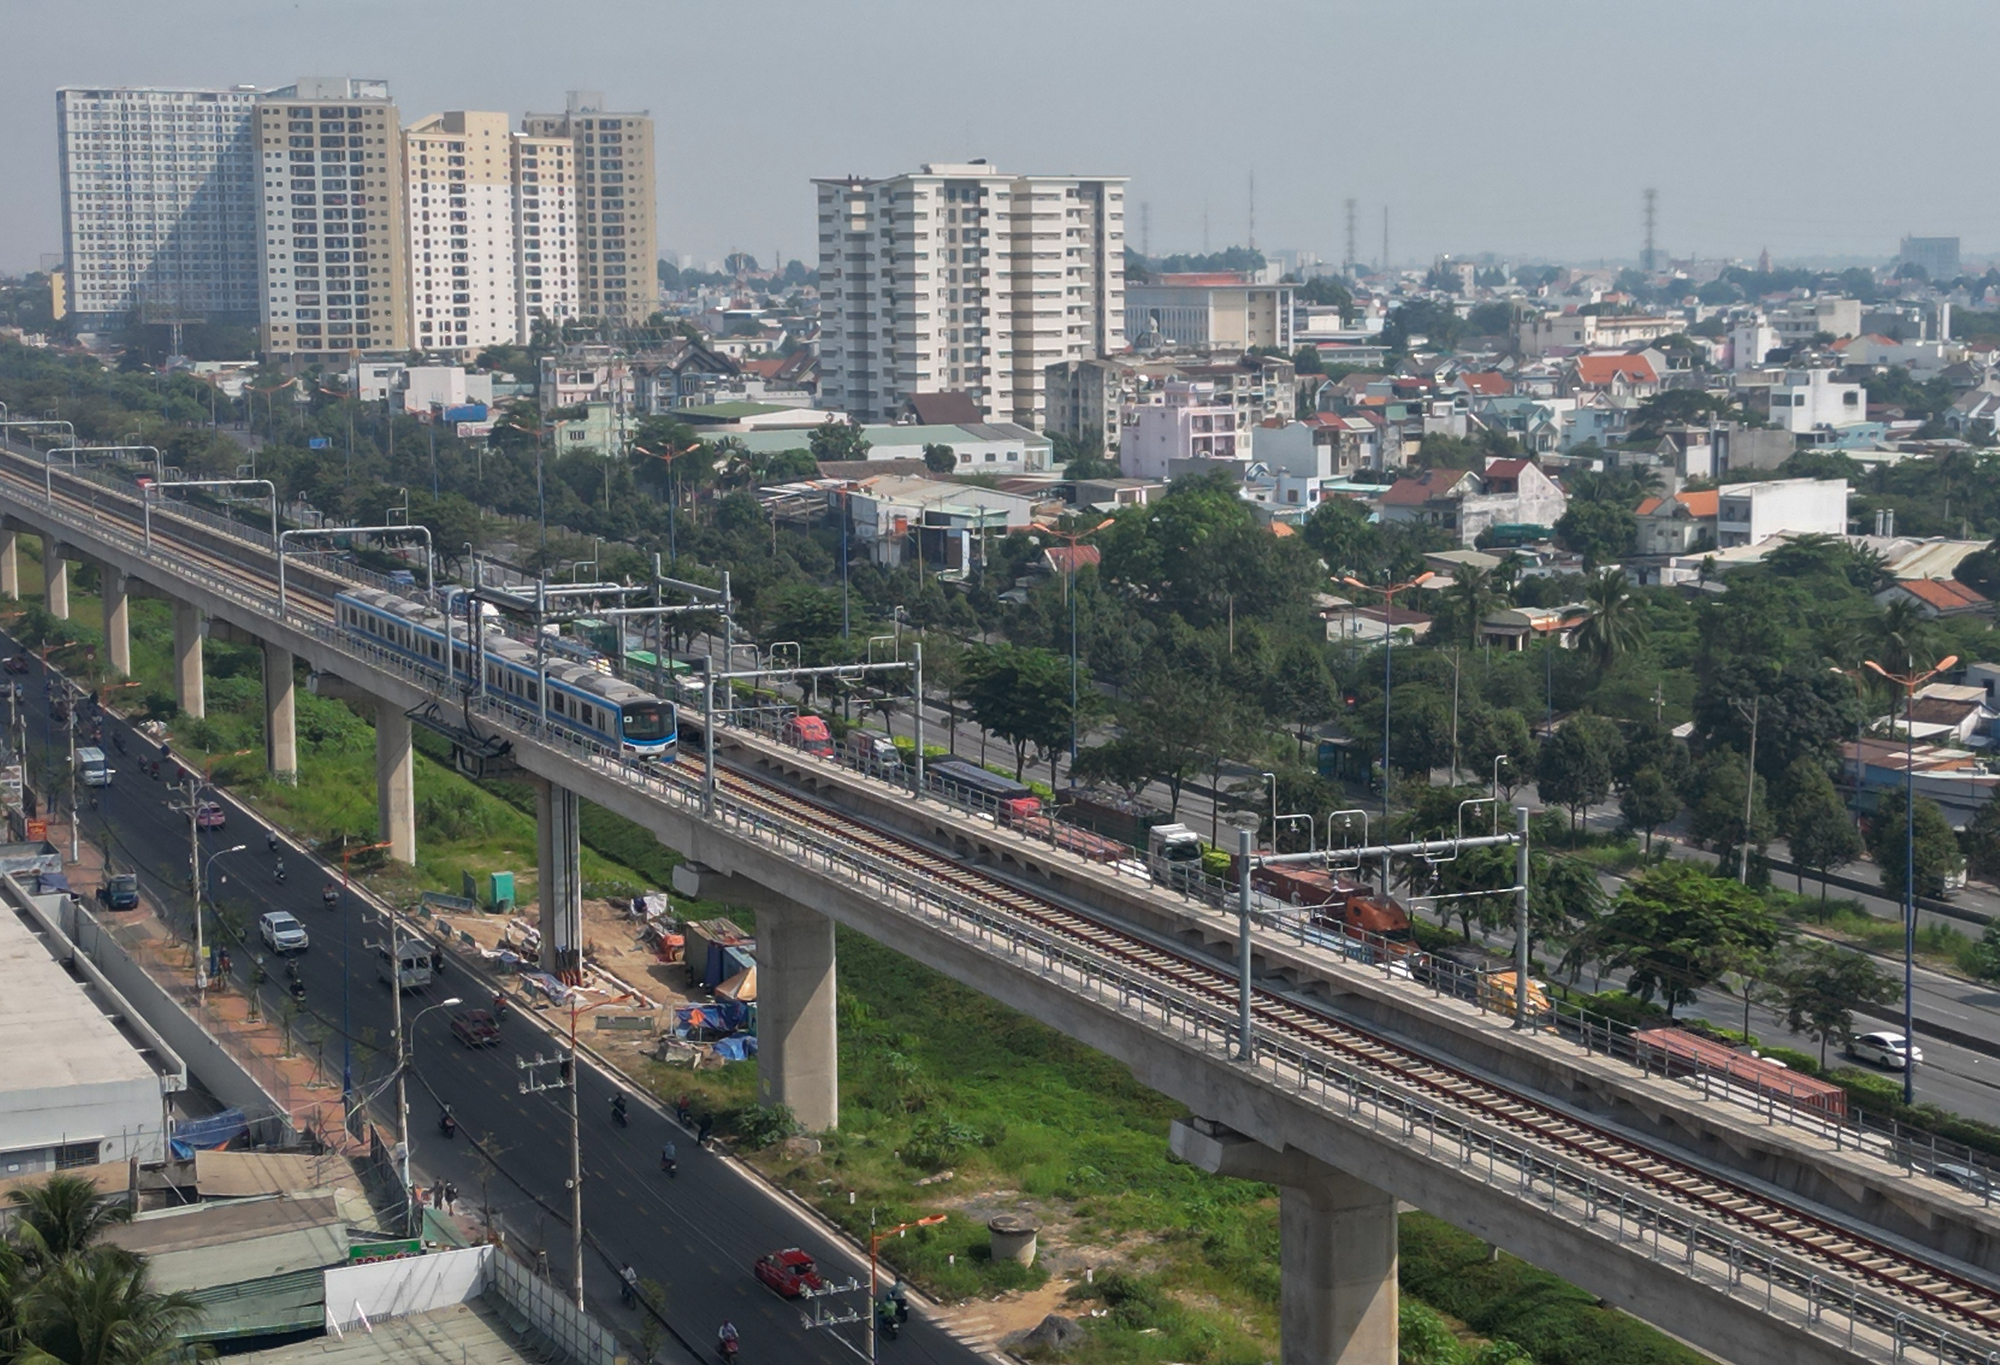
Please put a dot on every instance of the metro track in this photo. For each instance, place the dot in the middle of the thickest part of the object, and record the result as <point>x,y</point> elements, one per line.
<point>1851,1256</point>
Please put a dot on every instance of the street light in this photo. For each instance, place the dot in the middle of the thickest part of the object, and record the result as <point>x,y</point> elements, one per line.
<point>403,1051</point>
<point>1909,682</point>
<point>1073,537</point>
<point>875,1239</point>
<point>1388,595</point>
<point>347,989</point>
<point>673,489</point>
<point>200,952</point>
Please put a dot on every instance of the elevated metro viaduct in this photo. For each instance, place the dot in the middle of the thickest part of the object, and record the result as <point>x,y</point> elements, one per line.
<point>1342,1143</point>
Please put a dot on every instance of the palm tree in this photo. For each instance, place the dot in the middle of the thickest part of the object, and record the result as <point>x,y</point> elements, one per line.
<point>1472,595</point>
<point>1902,633</point>
<point>97,1309</point>
<point>1614,625</point>
<point>61,1219</point>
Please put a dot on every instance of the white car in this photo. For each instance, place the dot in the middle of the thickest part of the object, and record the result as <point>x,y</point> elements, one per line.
<point>283,933</point>
<point>1885,1050</point>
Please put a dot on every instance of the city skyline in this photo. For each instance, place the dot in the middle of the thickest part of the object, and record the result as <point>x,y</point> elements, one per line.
<point>1477,131</point>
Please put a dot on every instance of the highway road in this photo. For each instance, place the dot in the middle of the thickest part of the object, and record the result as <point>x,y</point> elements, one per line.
<point>696,1235</point>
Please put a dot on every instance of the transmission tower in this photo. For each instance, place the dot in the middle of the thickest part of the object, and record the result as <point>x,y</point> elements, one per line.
<point>1648,260</point>
<point>1348,264</point>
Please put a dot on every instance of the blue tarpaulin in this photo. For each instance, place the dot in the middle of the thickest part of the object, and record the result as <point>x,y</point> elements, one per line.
<point>722,1016</point>
<point>217,1130</point>
<point>738,1049</point>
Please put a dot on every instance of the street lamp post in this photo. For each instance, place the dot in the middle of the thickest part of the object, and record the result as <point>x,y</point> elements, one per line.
<point>1388,595</point>
<point>1909,682</point>
<point>673,496</point>
<point>875,1240</point>
<point>1073,537</point>
<point>403,1051</point>
<point>200,950</point>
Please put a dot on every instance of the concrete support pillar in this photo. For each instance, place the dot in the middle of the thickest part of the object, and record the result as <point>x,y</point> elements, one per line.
<point>188,689</point>
<point>117,622</point>
<point>395,780</point>
<point>55,578</point>
<point>10,565</point>
<point>559,884</point>
<point>281,731</point>
<point>797,1064</point>
<point>1336,1246</point>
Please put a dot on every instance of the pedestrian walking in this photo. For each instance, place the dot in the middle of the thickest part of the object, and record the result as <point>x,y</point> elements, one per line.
<point>451,1198</point>
<point>437,1196</point>
<point>707,1127</point>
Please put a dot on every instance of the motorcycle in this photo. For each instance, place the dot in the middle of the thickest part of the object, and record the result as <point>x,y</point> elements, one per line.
<point>618,1111</point>
<point>499,1008</point>
<point>280,870</point>
<point>447,1124</point>
<point>725,1350</point>
<point>330,897</point>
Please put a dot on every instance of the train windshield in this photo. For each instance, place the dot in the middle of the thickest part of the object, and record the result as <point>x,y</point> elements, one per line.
<point>647,720</point>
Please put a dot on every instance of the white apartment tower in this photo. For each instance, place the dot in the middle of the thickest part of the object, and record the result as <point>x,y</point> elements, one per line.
<point>159,192</point>
<point>334,250</point>
<point>491,232</point>
<point>961,278</point>
<point>612,169</point>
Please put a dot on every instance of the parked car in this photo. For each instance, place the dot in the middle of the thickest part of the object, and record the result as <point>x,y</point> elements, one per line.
<point>790,1272</point>
<point>283,933</point>
<point>15,663</point>
<point>1885,1050</point>
<point>209,815</point>
<point>120,891</point>
<point>1967,1178</point>
<point>475,1028</point>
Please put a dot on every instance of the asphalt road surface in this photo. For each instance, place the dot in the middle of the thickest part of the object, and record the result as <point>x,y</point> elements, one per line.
<point>696,1236</point>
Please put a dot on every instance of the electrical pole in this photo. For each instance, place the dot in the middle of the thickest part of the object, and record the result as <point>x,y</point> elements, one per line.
<point>411,1225</point>
<point>1647,259</point>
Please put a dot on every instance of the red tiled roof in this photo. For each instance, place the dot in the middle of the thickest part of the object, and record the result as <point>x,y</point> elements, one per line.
<point>1505,469</point>
<point>1417,492</point>
<point>1602,369</point>
<point>767,366</point>
<point>1489,383</point>
<point>1068,558</point>
<point>1942,594</point>
<point>1706,504</point>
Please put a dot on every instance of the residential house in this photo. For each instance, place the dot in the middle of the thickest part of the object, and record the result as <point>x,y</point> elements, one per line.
<point>1619,374</point>
<point>1000,448</point>
<point>1936,597</point>
<point>667,376</point>
<point>1952,713</point>
<point>587,373</point>
<point>1188,425</point>
<point>1681,524</point>
<point>1750,512</point>
<point>1807,401</point>
<point>1540,333</point>
<point>1465,502</point>
<point>1348,624</point>
<point>1514,628</point>
<point>941,525</point>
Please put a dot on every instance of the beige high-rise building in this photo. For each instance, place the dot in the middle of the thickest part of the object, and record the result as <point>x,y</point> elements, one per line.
<point>333,253</point>
<point>491,223</point>
<point>619,237</point>
<point>960,278</point>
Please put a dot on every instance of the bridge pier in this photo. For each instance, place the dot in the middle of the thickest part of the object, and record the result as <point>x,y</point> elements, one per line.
<point>281,731</point>
<point>395,775</point>
<point>55,579</point>
<point>188,689</point>
<point>117,621</point>
<point>1336,1245</point>
<point>797,1061</point>
<point>559,885</point>
<point>10,565</point>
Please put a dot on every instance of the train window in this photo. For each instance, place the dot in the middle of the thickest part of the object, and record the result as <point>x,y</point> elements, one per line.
<point>534,695</point>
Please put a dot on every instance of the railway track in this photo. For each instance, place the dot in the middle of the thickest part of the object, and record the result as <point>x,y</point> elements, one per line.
<point>1888,1271</point>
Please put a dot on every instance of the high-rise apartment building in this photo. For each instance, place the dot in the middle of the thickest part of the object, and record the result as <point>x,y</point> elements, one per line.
<point>159,193</point>
<point>491,232</point>
<point>961,278</point>
<point>613,171</point>
<point>334,250</point>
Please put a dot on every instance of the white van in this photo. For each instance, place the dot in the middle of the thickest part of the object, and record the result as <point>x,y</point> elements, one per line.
<point>91,768</point>
<point>416,970</point>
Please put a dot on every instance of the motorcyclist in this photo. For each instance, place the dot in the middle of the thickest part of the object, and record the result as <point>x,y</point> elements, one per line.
<point>499,1006</point>
<point>725,1340</point>
<point>447,1124</point>
<point>330,894</point>
<point>628,1285</point>
<point>618,1109</point>
<point>669,1159</point>
<point>899,1299</point>
<point>281,871</point>
<point>271,840</point>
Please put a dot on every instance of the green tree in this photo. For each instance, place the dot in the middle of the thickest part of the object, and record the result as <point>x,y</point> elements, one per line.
<point>1575,766</point>
<point>1489,733</point>
<point>1340,531</point>
<point>837,440</point>
<point>939,458</point>
<point>60,1219</point>
<point>1981,841</point>
<point>1814,822</point>
<point>1175,718</point>
<point>1716,811</point>
<point>1600,532</point>
<point>1937,853</point>
<point>1648,802</point>
<point>1300,689</point>
<point>1675,929</point>
<point>1022,695</point>
<point>1614,626</point>
<point>1819,985</point>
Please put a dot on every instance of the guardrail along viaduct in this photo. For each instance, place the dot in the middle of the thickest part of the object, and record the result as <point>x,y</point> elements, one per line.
<point>1763,1235</point>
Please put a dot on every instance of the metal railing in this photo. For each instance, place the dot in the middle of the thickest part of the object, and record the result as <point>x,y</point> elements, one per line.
<point>1780,1283</point>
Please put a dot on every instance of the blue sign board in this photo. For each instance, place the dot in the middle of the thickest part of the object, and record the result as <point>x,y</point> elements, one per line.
<point>319,443</point>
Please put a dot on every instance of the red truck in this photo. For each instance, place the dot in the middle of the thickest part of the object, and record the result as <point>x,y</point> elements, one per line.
<point>808,733</point>
<point>1336,902</point>
<point>1082,842</point>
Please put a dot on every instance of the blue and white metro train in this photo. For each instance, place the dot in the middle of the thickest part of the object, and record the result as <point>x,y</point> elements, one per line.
<point>581,699</point>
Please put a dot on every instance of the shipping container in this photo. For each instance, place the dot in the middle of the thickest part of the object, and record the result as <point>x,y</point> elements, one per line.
<point>1082,842</point>
<point>1676,1052</point>
<point>968,784</point>
<point>1110,814</point>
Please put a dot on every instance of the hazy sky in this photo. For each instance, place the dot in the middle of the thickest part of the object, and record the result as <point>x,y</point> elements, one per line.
<point>1815,128</point>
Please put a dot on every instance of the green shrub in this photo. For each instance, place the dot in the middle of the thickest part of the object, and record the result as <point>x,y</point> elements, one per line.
<point>765,1125</point>
<point>938,1140</point>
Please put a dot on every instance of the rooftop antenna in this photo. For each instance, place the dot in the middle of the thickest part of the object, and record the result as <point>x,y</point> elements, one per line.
<point>1648,258</point>
<point>1349,263</point>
